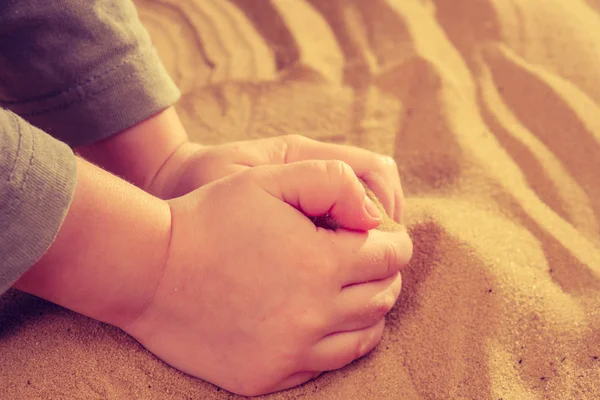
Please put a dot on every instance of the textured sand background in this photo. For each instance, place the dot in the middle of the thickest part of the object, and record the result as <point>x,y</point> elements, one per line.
<point>492,110</point>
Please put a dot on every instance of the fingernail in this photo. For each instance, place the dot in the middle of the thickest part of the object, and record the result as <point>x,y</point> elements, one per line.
<point>372,208</point>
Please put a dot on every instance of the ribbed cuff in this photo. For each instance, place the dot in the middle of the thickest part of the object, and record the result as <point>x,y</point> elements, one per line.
<point>37,183</point>
<point>105,104</point>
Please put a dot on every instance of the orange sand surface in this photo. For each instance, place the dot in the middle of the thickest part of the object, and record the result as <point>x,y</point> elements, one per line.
<point>491,109</point>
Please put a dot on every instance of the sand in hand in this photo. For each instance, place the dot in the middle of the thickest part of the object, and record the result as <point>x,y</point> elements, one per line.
<point>492,111</point>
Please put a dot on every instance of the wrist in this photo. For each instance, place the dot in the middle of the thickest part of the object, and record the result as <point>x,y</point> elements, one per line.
<point>138,153</point>
<point>168,178</point>
<point>109,253</point>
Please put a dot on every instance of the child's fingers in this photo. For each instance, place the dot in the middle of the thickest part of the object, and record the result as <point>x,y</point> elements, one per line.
<point>363,305</point>
<point>321,187</point>
<point>340,349</point>
<point>387,187</point>
<point>369,257</point>
<point>380,173</point>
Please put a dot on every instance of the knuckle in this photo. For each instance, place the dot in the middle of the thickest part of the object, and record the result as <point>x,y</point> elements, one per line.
<point>366,343</point>
<point>388,301</point>
<point>361,344</point>
<point>392,259</point>
<point>383,163</point>
<point>293,137</point>
<point>383,305</point>
<point>337,168</point>
<point>289,145</point>
<point>380,310</point>
<point>388,161</point>
<point>280,148</point>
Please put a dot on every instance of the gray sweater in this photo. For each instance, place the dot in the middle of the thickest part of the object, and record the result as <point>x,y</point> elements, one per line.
<point>72,72</point>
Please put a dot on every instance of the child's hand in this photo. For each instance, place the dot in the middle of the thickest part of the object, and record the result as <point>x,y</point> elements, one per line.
<point>156,156</point>
<point>193,165</point>
<point>253,297</point>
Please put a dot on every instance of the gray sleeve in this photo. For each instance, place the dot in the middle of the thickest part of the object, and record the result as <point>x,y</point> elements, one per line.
<point>80,70</point>
<point>37,181</point>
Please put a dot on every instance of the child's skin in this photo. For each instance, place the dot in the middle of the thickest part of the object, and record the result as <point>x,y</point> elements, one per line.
<point>230,282</point>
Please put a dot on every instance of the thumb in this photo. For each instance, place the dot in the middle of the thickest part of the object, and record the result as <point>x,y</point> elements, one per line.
<point>317,188</point>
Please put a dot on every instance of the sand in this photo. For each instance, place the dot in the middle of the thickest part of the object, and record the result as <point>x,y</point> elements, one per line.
<point>491,109</point>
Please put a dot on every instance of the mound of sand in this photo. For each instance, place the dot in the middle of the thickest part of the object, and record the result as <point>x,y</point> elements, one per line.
<point>491,109</point>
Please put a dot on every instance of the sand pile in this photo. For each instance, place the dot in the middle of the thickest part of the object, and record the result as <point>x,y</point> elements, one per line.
<point>491,109</point>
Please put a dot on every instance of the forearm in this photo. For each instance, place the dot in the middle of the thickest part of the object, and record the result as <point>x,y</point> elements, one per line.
<point>109,252</point>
